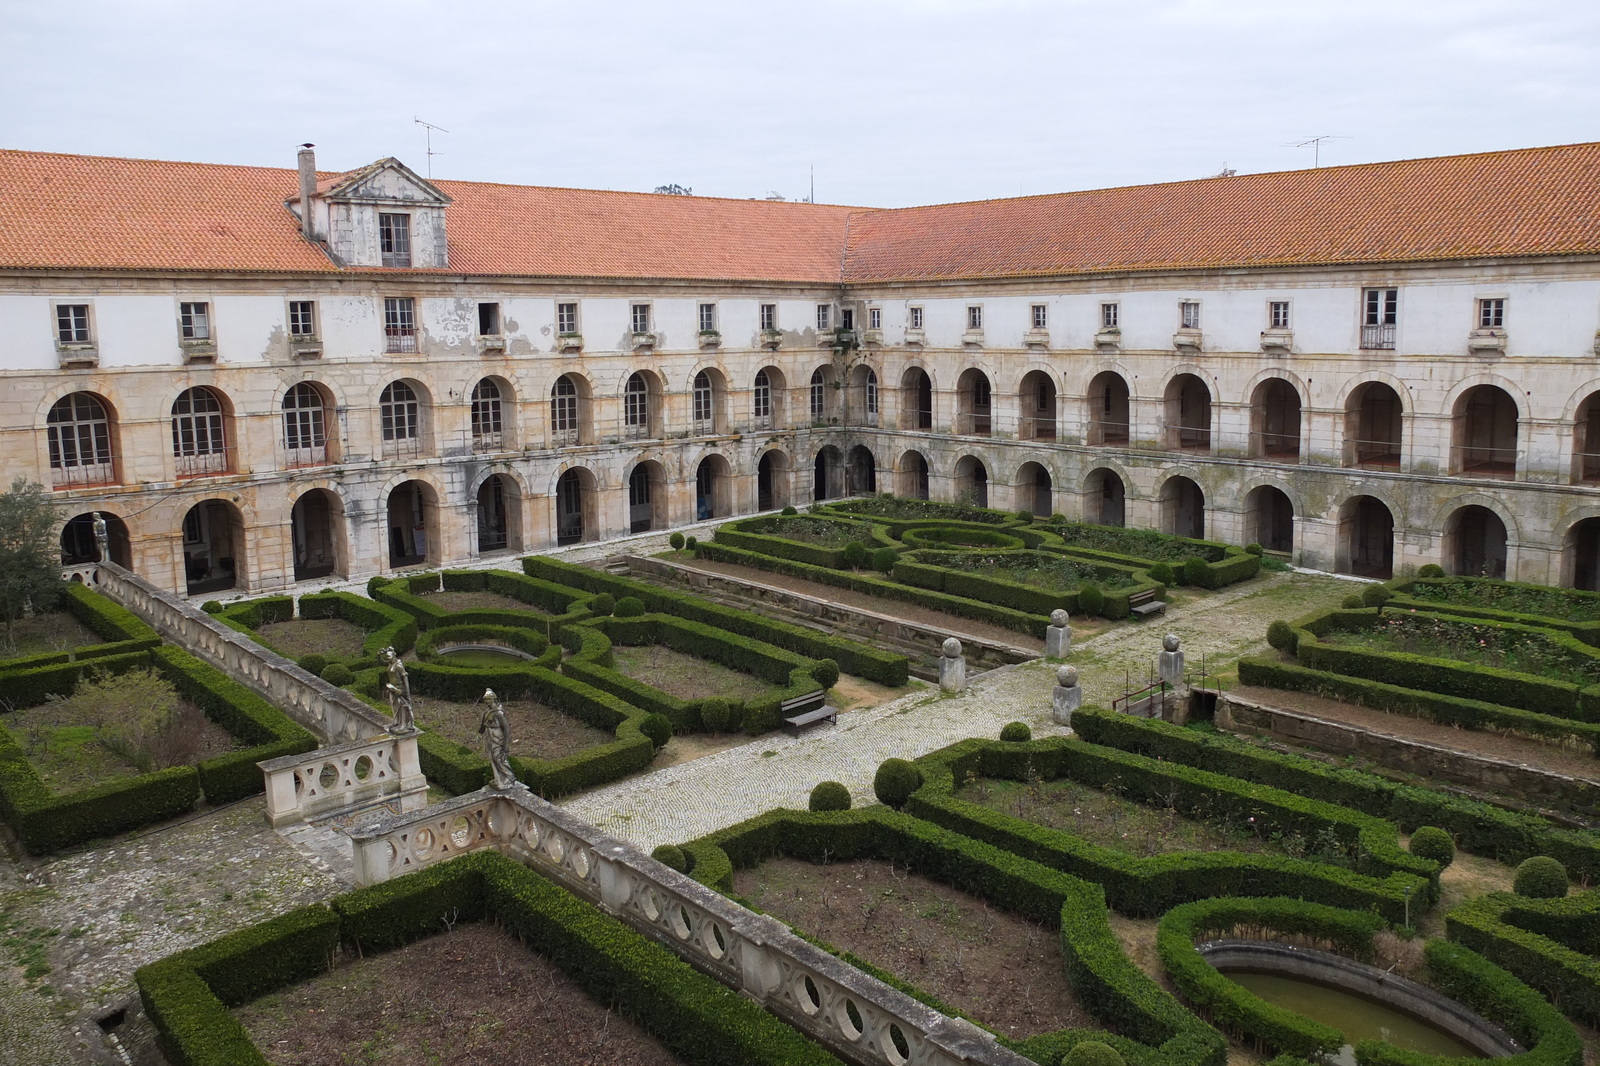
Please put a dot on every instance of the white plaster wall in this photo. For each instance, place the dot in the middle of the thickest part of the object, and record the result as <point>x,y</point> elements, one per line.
<point>27,332</point>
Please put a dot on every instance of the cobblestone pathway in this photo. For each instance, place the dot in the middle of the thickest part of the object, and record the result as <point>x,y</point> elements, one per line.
<point>682,802</point>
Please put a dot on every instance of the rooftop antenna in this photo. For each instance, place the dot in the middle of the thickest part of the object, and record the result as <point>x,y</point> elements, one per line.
<point>813,198</point>
<point>428,129</point>
<point>1315,143</point>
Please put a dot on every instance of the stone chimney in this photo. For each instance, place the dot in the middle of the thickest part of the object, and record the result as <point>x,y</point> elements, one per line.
<point>308,189</point>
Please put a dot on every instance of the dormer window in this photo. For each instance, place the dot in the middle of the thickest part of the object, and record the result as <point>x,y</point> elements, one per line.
<point>194,319</point>
<point>394,239</point>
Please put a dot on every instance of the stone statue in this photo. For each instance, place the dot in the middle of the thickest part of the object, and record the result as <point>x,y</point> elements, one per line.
<point>398,688</point>
<point>952,667</point>
<point>1058,638</point>
<point>1066,697</point>
<point>496,732</point>
<point>102,538</point>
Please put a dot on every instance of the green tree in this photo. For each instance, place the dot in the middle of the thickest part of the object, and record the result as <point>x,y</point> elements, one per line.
<point>30,554</point>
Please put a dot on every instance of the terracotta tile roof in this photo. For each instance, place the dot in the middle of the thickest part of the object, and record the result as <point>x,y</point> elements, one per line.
<point>67,211</point>
<point>1535,201</point>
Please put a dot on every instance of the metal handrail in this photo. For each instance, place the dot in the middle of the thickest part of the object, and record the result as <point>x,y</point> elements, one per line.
<point>1377,337</point>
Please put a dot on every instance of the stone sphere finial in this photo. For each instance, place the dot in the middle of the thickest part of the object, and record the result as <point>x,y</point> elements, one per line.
<point>1067,676</point>
<point>1170,642</point>
<point>952,647</point>
<point>1058,617</point>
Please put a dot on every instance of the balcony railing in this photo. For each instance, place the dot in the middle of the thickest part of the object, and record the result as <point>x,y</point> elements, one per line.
<point>1104,431</point>
<point>636,431</point>
<point>1037,428</point>
<point>80,474</point>
<point>489,442</point>
<point>200,464</point>
<point>402,448</point>
<point>564,438</point>
<point>1277,447</point>
<point>1378,337</point>
<point>311,455</point>
<point>1482,461</point>
<point>400,343</point>
<point>1372,454</point>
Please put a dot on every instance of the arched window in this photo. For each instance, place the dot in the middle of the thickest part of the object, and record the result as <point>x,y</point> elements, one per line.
<point>402,419</point>
<point>564,411</point>
<point>819,396</point>
<point>198,439</point>
<point>702,397</point>
<point>763,396</point>
<point>636,404</point>
<point>79,432</point>
<point>304,426</point>
<point>872,395</point>
<point>487,426</point>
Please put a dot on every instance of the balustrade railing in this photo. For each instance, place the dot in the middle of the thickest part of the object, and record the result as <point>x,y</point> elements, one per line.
<point>317,783</point>
<point>1378,337</point>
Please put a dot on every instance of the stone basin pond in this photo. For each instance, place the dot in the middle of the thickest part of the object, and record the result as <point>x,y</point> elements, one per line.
<point>486,655</point>
<point>1357,1017</point>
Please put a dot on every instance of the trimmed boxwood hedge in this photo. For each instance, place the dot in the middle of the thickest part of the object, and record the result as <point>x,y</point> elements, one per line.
<point>188,995</point>
<point>754,534</point>
<point>1551,944</point>
<point>526,640</point>
<point>120,628</point>
<point>966,536</point>
<point>922,568</point>
<point>1558,606</point>
<point>1143,887</point>
<point>886,668</point>
<point>555,605</point>
<point>1478,828</point>
<point>386,626</point>
<point>904,509</point>
<point>1220,564</point>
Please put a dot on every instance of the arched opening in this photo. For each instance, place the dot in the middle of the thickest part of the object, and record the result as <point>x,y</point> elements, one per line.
<point>81,432</point>
<point>863,402</point>
<point>402,420</point>
<point>1108,410</point>
<point>707,393</point>
<point>1372,427</point>
<point>912,478</point>
<point>499,514</point>
<point>576,517</point>
<point>772,481</point>
<point>1475,543</point>
<point>1586,440</point>
<point>316,535</point>
<point>1188,415</point>
<point>1484,434</point>
<point>827,474</point>
<point>569,411</point>
<point>1035,490</point>
<point>916,399</point>
<point>305,426</point>
<point>1275,422</point>
<point>490,424</point>
<point>413,523</point>
<point>1036,402</point>
<point>1105,498</point>
<point>213,547</point>
<point>713,488</point>
<point>822,403</point>
<point>641,406</point>
<point>974,403</point>
<point>1183,508</point>
<point>972,481</point>
<point>647,497</point>
<point>1269,519</point>
<point>77,541</point>
<point>861,473</point>
<point>200,433</point>
<point>1366,538</point>
<point>1581,558</point>
<point>766,398</point>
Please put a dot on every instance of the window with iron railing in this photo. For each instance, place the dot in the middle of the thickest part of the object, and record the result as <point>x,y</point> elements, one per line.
<point>199,444</point>
<point>564,412</point>
<point>701,406</point>
<point>304,426</point>
<point>636,406</point>
<point>400,414</point>
<point>394,239</point>
<point>78,432</point>
<point>761,398</point>
<point>488,428</point>
<point>1381,312</point>
<point>400,324</point>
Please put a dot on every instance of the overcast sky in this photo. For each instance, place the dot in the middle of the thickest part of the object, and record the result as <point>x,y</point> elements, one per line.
<point>893,102</point>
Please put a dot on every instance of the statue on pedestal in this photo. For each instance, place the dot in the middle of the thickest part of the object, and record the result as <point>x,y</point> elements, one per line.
<point>496,730</point>
<point>398,689</point>
<point>102,538</point>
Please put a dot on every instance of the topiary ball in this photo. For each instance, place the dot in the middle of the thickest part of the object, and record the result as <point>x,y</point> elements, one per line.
<point>894,782</point>
<point>658,727</point>
<point>830,796</point>
<point>1196,571</point>
<point>338,674</point>
<point>1352,602</point>
<point>1431,842</point>
<point>1375,595</point>
<point>314,663</point>
<point>826,671</point>
<point>716,713</point>
<point>1024,516</point>
<point>676,542</point>
<point>629,607</point>
<point>1016,731</point>
<point>1280,635</point>
<point>1430,570</point>
<point>673,856</point>
<point>1162,572</point>
<point>790,510</point>
<point>1091,600</point>
<point>691,542</point>
<point>603,604</point>
<point>1093,1053</point>
<point>1540,877</point>
<point>212,607</point>
<point>1254,549</point>
<point>883,559</point>
<point>854,555</point>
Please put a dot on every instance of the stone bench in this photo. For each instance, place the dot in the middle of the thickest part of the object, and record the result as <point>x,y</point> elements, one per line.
<point>1145,603</point>
<point>806,710</point>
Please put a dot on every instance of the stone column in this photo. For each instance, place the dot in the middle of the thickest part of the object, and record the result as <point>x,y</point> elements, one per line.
<point>952,668</point>
<point>1057,638</point>
<point>1066,697</point>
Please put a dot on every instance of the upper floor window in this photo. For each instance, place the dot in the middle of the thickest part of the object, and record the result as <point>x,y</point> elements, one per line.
<point>72,324</point>
<point>1109,316</point>
<point>819,395</point>
<point>824,316</point>
<point>872,391</point>
<point>394,239</point>
<point>1381,310</point>
<point>914,318</point>
<point>636,402</point>
<point>488,320</point>
<point>302,318</point>
<point>400,412</point>
<point>1189,314</point>
<point>874,318</point>
<point>1492,313</point>
<point>78,430</point>
<point>194,321</point>
<point>567,318</point>
<point>1041,316</point>
<point>847,318</point>
<point>198,441</point>
<point>975,316</point>
<point>304,428</point>
<point>564,410</point>
<point>400,324</point>
<point>708,318</point>
<point>641,318</point>
<point>487,421</point>
<point>762,398</point>
<point>702,397</point>
<point>769,316</point>
<point>1278,314</point>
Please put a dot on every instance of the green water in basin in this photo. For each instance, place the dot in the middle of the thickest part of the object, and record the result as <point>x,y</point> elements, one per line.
<point>1357,1018</point>
<point>480,657</point>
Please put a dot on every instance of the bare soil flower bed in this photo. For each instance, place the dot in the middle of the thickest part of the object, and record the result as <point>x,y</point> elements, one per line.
<point>474,995</point>
<point>1002,970</point>
<point>43,633</point>
<point>320,636</point>
<point>62,743</point>
<point>537,731</point>
<point>685,676</point>
<point>478,601</point>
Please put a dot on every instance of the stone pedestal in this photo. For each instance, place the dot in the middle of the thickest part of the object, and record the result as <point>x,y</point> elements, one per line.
<point>1057,638</point>
<point>1066,697</point>
<point>1169,668</point>
<point>952,668</point>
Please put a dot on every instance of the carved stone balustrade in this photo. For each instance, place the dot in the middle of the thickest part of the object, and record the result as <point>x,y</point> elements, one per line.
<point>383,769</point>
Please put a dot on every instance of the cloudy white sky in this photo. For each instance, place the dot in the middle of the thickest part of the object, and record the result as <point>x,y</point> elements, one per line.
<point>893,102</point>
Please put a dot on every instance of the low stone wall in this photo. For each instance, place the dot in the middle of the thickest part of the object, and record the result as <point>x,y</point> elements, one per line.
<point>751,953</point>
<point>1542,787</point>
<point>335,715</point>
